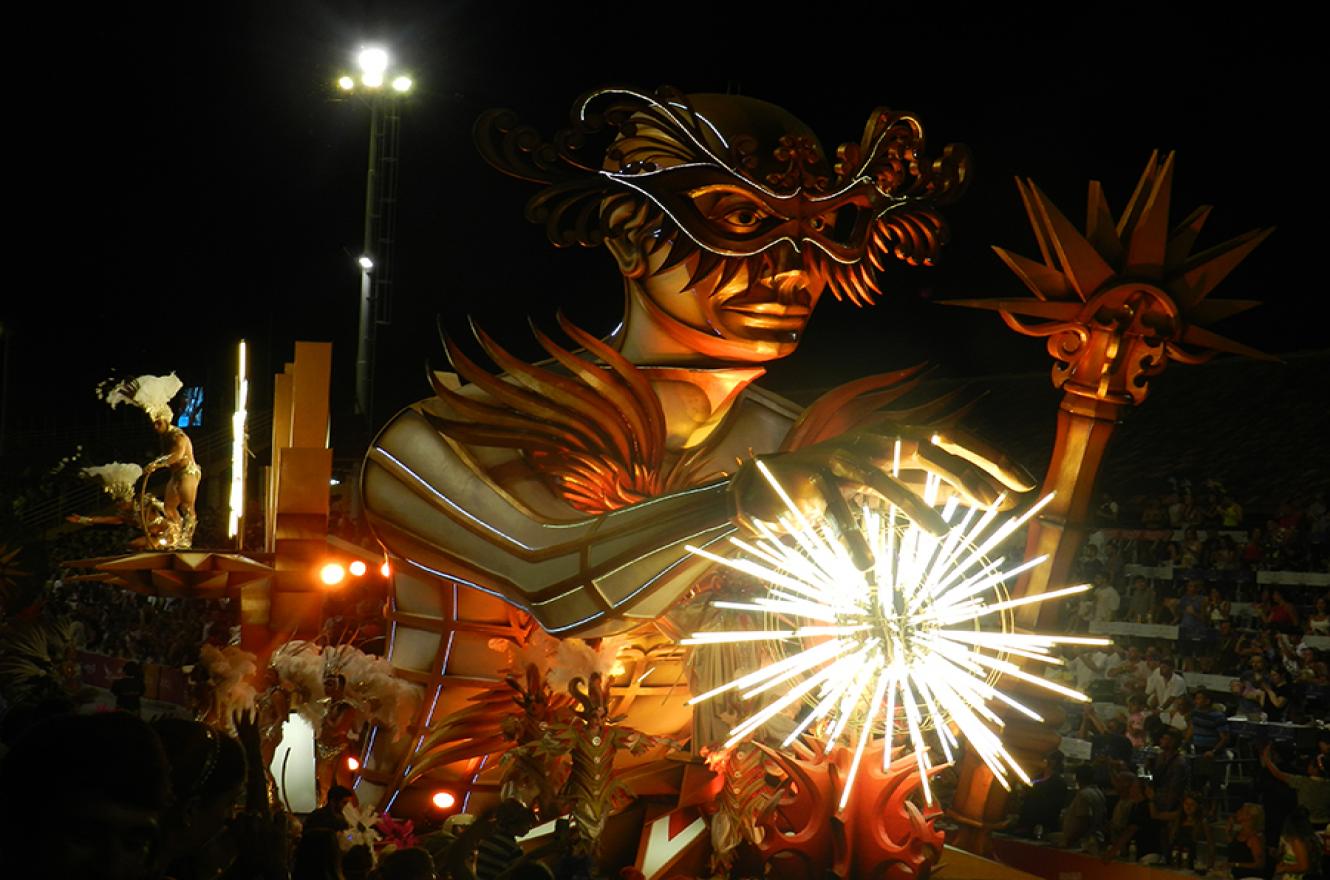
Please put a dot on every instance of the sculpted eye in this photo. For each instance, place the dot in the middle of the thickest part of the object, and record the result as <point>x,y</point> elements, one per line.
<point>732,211</point>
<point>745,218</point>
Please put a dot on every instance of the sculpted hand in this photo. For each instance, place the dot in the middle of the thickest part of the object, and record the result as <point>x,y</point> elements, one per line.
<point>819,479</point>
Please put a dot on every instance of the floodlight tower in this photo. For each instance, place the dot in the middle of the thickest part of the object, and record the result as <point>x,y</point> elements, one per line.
<point>382,89</point>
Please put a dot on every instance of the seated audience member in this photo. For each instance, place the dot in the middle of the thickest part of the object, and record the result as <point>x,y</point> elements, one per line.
<point>1106,602</point>
<point>1248,699</point>
<point>1132,822</point>
<point>83,797</point>
<point>1276,696</point>
<point>1318,622</point>
<point>1041,809</point>
<point>1140,600</point>
<point>1136,714</point>
<point>1109,746</point>
<point>1086,818</point>
<point>1246,842</point>
<point>1165,687</point>
<point>1319,765</point>
<point>1192,841</point>
<point>207,785</point>
<point>1283,615</point>
<point>1299,851</point>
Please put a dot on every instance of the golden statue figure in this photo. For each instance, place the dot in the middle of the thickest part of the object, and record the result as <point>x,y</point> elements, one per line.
<point>570,488</point>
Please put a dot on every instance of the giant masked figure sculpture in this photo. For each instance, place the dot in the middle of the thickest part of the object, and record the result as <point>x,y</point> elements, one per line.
<point>569,489</point>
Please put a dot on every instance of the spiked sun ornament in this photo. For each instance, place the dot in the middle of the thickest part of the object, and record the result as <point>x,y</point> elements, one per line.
<point>1121,300</point>
<point>910,648</point>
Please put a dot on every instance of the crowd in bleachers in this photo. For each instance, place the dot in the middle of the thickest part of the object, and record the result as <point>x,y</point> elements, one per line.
<point>150,629</point>
<point>1205,745</point>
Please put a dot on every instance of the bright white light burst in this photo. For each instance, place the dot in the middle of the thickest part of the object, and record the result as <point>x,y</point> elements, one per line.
<point>915,644</point>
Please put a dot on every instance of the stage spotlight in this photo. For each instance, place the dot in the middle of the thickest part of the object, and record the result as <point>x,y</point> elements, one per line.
<point>365,263</point>
<point>357,568</point>
<point>332,574</point>
<point>443,800</point>
<point>402,84</point>
<point>386,570</point>
<point>346,83</point>
<point>352,763</point>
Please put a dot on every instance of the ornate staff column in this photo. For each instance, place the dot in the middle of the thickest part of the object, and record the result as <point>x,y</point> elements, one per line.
<point>1116,304</point>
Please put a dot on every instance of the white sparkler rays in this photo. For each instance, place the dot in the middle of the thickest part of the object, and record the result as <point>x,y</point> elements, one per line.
<point>864,733</point>
<point>923,635</point>
<point>793,695</point>
<point>806,659</point>
<point>946,617</point>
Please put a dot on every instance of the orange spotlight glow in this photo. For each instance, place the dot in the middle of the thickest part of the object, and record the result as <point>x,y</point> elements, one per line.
<point>352,763</point>
<point>385,569</point>
<point>443,800</point>
<point>357,568</point>
<point>332,574</point>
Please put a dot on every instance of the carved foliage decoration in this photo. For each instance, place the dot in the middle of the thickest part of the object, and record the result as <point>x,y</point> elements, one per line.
<point>595,432</point>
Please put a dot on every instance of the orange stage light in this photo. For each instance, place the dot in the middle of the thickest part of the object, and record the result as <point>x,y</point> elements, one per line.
<point>443,800</point>
<point>358,568</point>
<point>352,763</point>
<point>332,574</point>
<point>385,569</point>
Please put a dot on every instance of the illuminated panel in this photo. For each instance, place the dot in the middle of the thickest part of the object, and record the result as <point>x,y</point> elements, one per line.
<point>238,446</point>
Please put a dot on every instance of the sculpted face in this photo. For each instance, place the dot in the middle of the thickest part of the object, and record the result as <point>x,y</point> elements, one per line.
<point>730,221</point>
<point>758,314</point>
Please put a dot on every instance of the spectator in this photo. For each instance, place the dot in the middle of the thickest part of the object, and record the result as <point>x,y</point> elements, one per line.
<point>1132,822</point>
<point>1140,600</point>
<point>1217,608</point>
<point>1319,765</point>
<point>1136,714</point>
<point>1283,615</point>
<point>1193,831</point>
<point>1208,735</point>
<point>1276,695</point>
<point>329,816</point>
<point>1313,793</point>
<point>1164,689</point>
<point>1041,810</point>
<point>1248,698</point>
<point>1106,602</point>
<point>129,689</point>
<point>1318,622</point>
<point>93,789</point>
<point>412,863</point>
<point>1085,821</point>
<point>318,856</point>
<point>207,782</point>
<point>1299,851</point>
<point>1246,842</point>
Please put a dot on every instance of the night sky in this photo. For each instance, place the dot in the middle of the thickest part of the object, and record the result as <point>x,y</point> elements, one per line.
<point>187,178</point>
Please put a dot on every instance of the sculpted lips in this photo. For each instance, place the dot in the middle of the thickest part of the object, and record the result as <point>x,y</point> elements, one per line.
<point>784,310</point>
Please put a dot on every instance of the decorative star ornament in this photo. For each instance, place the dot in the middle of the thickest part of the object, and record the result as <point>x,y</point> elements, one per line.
<point>1122,299</point>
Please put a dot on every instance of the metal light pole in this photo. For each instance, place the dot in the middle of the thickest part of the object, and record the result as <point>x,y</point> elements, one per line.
<point>375,261</point>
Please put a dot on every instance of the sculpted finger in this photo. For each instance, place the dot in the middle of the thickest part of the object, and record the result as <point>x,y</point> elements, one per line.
<point>976,487</point>
<point>893,491</point>
<point>985,456</point>
<point>839,512</point>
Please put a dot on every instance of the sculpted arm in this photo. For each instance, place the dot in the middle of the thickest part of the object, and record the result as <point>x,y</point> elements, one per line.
<point>433,503</point>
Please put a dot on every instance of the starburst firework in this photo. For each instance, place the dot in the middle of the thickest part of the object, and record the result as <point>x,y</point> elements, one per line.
<point>926,630</point>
